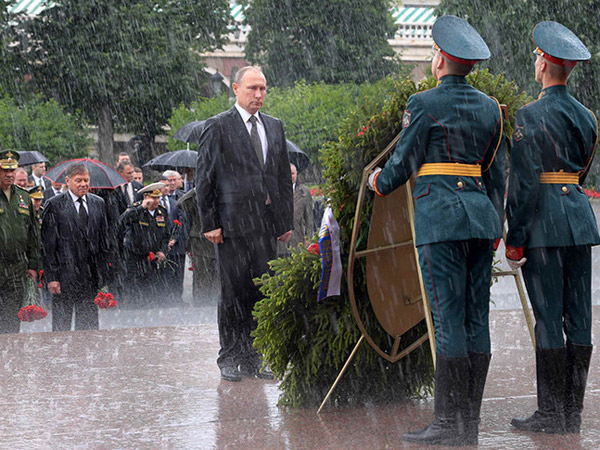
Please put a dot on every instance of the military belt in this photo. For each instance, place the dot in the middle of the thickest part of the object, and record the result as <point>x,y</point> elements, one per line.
<point>559,178</point>
<point>464,170</point>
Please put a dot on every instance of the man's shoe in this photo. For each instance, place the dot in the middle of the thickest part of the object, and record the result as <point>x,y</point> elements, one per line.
<point>255,371</point>
<point>230,373</point>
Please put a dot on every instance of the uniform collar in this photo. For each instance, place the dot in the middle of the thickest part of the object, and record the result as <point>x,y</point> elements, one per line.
<point>557,89</point>
<point>453,79</point>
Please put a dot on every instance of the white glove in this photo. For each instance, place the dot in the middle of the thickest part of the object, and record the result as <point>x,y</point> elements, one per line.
<point>372,178</point>
<point>514,265</point>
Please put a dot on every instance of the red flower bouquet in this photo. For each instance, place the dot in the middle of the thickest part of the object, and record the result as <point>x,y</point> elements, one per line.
<point>314,249</point>
<point>31,309</point>
<point>105,299</point>
<point>151,256</point>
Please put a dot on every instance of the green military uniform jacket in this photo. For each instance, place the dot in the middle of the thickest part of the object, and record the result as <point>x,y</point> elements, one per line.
<point>140,232</point>
<point>19,231</point>
<point>452,123</point>
<point>555,133</point>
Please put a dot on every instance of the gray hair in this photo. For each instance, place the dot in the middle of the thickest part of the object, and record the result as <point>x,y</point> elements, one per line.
<point>170,173</point>
<point>76,168</point>
<point>240,73</point>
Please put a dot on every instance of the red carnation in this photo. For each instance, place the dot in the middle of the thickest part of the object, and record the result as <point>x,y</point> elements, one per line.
<point>177,222</point>
<point>31,313</point>
<point>191,268</point>
<point>105,300</point>
<point>151,256</point>
<point>314,249</point>
<point>40,285</point>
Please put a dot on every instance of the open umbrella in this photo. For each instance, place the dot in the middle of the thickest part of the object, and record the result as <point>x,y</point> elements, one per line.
<point>30,157</point>
<point>297,157</point>
<point>178,159</point>
<point>190,132</point>
<point>102,176</point>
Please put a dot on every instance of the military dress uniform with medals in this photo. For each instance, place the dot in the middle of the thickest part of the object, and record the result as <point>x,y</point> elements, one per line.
<point>19,247</point>
<point>37,192</point>
<point>452,139</point>
<point>142,233</point>
<point>552,225</point>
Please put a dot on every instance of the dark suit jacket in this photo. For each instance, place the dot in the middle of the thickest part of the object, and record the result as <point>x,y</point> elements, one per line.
<point>123,200</point>
<point>45,182</point>
<point>232,187</point>
<point>181,233</point>
<point>48,194</point>
<point>68,250</point>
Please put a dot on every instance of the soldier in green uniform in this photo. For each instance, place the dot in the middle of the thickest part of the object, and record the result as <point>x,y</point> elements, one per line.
<point>36,194</point>
<point>452,139</point>
<point>552,228</point>
<point>143,237</point>
<point>19,243</point>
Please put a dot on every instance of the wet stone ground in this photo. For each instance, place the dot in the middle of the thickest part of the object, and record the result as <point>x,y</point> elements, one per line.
<point>148,380</point>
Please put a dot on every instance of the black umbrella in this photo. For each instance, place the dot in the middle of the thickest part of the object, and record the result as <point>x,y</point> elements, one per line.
<point>297,157</point>
<point>190,132</point>
<point>28,158</point>
<point>178,159</point>
<point>102,176</point>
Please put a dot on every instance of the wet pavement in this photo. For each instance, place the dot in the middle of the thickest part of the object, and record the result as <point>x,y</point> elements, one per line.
<point>148,380</point>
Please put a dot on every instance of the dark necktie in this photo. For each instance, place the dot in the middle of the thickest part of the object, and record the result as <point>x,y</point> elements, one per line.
<point>255,138</point>
<point>83,215</point>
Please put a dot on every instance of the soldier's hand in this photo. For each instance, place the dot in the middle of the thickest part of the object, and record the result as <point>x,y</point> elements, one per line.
<point>285,238</point>
<point>171,243</point>
<point>160,256</point>
<point>371,181</point>
<point>514,265</point>
<point>147,201</point>
<point>215,236</point>
<point>54,287</point>
<point>31,274</point>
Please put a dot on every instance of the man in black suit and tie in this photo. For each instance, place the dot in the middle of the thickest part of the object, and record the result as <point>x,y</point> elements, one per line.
<point>245,200</point>
<point>36,178</point>
<point>126,194</point>
<point>54,189</point>
<point>75,251</point>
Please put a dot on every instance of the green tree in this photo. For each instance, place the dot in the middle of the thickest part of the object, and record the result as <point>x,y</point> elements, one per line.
<point>43,126</point>
<point>315,40</point>
<point>123,63</point>
<point>507,25</point>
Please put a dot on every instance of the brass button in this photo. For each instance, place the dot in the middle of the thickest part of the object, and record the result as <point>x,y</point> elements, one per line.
<point>480,183</point>
<point>564,189</point>
<point>459,184</point>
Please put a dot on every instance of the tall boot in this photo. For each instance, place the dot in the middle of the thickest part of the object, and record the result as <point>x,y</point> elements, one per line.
<point>479,364</point>
<point>577,368</point>
<point>450,404</point>
<point>550,370</point>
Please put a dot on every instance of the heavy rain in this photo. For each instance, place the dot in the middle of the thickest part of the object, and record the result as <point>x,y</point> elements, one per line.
<point>173,277</point>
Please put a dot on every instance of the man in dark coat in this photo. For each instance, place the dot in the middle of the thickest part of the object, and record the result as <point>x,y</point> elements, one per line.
<point>551,228</point>
<point>245,201</point>
<point>75,251</point>
<point>452,139</point>
<point>126,194</point>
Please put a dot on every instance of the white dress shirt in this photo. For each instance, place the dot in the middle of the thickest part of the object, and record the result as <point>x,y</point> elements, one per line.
<point>77,204</point>
<point>261,128</point>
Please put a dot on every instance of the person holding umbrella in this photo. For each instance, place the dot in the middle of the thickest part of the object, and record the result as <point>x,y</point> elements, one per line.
<point>75,250</point>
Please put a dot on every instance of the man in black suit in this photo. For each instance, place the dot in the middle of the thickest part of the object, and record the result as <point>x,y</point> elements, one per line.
<point>75,251</point>
<point>126,194</point>
<point>54,189</point>
<point>36,178</point>
<point>245,200</point>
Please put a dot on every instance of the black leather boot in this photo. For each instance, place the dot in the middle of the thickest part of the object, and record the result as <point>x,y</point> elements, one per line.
<point>550,370</point>
<point>479,364</point>
<point>450,407</point>
<point>577,368</point>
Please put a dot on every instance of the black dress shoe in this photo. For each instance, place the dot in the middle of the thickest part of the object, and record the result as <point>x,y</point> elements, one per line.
<point>229,373</point>
<point>254,371</point>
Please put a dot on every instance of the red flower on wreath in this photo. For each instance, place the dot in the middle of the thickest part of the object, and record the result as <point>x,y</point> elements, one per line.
<point>31,313</point>
<point>151,256</point>
<point>105,300</point>
<point>314,249</point>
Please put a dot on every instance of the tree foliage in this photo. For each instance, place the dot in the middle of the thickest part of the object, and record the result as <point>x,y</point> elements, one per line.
<point>43,126</point>
<point>305,342</point>
<point>507,26</point>
<point>132,61</point>
<point>315,40</point>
